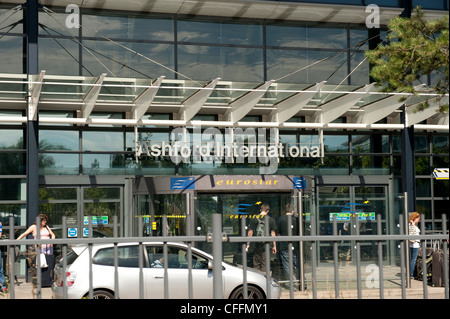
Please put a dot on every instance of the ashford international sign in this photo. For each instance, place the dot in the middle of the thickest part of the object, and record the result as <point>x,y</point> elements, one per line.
<point>234,146</point>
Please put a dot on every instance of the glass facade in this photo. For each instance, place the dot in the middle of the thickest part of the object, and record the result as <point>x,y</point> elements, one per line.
<point>175,47</point>
<point>90,170</point>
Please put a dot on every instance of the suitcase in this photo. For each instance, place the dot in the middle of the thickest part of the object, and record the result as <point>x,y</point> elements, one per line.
<point>47,273</point>
<point>437,269</point>
<point>429,260</point>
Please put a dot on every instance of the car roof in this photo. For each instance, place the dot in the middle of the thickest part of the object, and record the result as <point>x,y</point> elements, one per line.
<point>79,248</point>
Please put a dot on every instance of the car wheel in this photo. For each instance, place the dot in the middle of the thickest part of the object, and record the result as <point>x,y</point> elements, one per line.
<point>102,294</point>
<point>252,293</point>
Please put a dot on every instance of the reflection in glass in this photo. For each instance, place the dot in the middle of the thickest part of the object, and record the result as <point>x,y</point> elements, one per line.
<point>11,189</point>
<point>219,32</point>
<point>118,61</point>
<point>58,56</point>
<point>11,61</point>
<point>11,139</point>
<point>103,141</point>
<point>336,143</point>
<point>128,27</point>
<point>58,164</point>
<point>12,210</point>
<point>102,193</point>
<point>12,163</point>
<point>234,64</point>
<point>58,140</point>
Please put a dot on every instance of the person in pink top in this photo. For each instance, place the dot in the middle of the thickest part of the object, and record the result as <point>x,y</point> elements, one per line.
<point>45,232</point>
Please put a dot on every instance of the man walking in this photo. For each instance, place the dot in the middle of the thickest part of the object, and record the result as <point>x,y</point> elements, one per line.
<point>257,227</point>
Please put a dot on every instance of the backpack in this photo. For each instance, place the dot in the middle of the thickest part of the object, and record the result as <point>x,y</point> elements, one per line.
<point>260,228</point>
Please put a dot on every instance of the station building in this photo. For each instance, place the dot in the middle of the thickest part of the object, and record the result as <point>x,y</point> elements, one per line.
<point>135,110</point>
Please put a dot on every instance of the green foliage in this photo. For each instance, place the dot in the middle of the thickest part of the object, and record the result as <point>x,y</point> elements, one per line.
<point>415,48</point>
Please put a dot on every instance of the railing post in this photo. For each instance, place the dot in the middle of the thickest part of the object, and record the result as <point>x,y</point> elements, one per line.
<point>424,258</point>
<point>217,255</point>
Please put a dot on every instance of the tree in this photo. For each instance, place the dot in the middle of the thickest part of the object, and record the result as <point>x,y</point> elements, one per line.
<point>415,48</point>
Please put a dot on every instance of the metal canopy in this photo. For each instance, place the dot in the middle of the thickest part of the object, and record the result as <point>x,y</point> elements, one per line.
<point>280,105</point>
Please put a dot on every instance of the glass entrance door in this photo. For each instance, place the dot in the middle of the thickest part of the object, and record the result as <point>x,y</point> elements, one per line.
<point>234,207</point>
<point>348,203</point>
<point>152,208</point>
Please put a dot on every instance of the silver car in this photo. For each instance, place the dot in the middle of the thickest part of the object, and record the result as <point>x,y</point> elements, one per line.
<point>77,274</point>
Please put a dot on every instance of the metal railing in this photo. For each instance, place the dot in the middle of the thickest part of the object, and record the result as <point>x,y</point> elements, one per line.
<point>217,238</point>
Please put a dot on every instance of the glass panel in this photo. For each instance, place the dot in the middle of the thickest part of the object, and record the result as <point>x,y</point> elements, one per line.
<point>58,140</point>
<point>421,144</point>
<point>11,61</point>
<point>59,164</point>
<point>332,69</point>
<point>59,56</point>
<point>370,165</point>
<point>234,207</point>
<point>327,38</point>
<point>120,62</point>
<point>332,199</point>
<point>422,165</point>
<point>358,39</point>
<point>8,18</point>
<point>128,27</point>
<point>234,64</point>
<point>54,23</point>
<point>55,213</point>
<point>12,189</point>
<point>396,143</point>
<point>94,164</point>
<point>335,143</point>
<point>370,143</point>
<point>423,187</point>
<point>424,207</point>
<point>280,63</point>
<point>103,213</point>
<point>441,189</point>
<point>11,139</point>
<point>441,207</point>
<point>12,210</point>
<point>360,69</point>
<point>46,193</point>
<point>286,36</point>
<point>219,32</point>
<point>440,161</point>
<point>103,141</point>
<point>438,4</point>
<point>102,193</point>
<point>12,163</point>
<point>440,144</point>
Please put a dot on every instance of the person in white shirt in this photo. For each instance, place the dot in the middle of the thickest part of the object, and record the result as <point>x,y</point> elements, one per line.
<point>414,244</point>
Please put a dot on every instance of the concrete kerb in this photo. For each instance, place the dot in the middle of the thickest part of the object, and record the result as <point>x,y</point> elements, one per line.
<point>25,291</point>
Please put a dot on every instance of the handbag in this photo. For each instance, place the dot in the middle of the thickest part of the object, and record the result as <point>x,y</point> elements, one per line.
<point>43,261</point>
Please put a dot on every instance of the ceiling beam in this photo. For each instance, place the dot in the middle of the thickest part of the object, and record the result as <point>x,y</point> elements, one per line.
<point>194,103</point>
<point>242,106</point>
<point>34,93</point>
<point>144,100</point>
<point>288,108</point>
<point>378,110</point>
<point>337,107</point>
<point>91,97</point>
<point>414,117</point>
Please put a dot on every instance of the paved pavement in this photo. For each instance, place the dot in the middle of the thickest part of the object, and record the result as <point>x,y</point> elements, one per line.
<point>25,291</point>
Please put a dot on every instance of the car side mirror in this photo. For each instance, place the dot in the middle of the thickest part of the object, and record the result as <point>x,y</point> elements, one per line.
<point>210,265</point>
